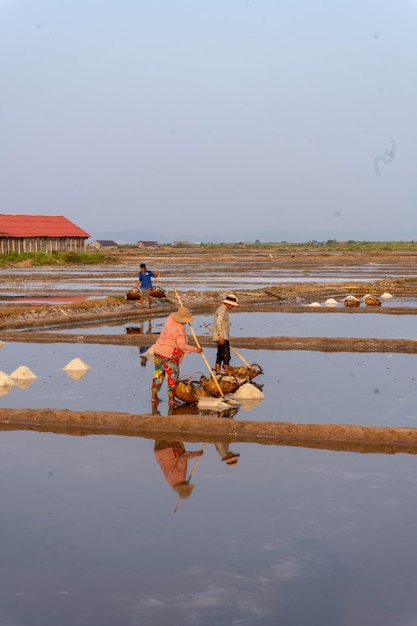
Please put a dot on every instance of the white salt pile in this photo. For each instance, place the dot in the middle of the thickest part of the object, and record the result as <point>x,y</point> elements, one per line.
<point>5,380</point>
<point>315,304</point>
<point>331,302</point>
<point>76,365</point>
<point>248,392</point>
<point>386,295</point>
<point>22,373</point>
<point>76,369</point>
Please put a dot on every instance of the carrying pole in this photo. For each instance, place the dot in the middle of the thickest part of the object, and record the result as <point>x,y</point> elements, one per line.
<point>197,343</point>
<point>239,356</point>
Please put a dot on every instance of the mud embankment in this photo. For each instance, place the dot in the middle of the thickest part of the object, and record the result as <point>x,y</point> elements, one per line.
<point>196,428</point>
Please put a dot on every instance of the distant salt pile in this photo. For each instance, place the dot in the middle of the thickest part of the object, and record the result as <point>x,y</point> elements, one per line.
<point>386,295</point>
<point>315,304</point>
<point>76,369</point>
<point>331,302</point>
<point>23,373</point>
<point>5,380</point>
<point>76,365</point>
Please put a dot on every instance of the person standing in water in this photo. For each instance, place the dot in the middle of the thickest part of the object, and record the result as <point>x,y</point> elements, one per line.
<point>169,350</point>
<point>145,284</point>
<point>221,332</point>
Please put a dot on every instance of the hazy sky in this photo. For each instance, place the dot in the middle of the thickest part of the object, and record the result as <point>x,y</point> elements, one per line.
<point>220,120</point>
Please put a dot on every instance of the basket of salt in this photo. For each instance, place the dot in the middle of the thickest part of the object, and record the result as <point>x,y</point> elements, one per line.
<point>247,373</point>
<point>157,292</point>
<point>189,390</point>
<point>228,384</point>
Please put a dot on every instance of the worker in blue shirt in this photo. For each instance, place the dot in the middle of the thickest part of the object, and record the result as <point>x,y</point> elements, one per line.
<point>145,284</point>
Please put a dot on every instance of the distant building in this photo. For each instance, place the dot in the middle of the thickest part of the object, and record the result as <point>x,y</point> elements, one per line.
<point>183,243</point>
<point>102,244</point>
<point>40,233</point>
<point>148,244</point>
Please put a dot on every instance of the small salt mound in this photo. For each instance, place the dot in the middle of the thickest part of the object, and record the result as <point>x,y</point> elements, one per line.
<point>386,295</point>
<point>22,373</point>
<point>249,391</point>
<point>331,302</point>
<point>5,380</point>
<point>76,365</point>
<point>315,304</point>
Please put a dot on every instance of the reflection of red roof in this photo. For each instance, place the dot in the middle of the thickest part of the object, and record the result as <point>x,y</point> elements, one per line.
<point>39,226</point>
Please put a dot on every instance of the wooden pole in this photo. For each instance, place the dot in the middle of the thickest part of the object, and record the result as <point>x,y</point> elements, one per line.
<point>202,353</point>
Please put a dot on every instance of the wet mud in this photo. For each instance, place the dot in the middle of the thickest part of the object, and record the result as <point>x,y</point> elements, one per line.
<point>197,428</point>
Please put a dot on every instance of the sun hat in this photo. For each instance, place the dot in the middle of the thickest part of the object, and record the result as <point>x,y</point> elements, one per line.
<point>183,489</point>
<point>231,458</point>
<point>231,299</point>
<point>183,315</point>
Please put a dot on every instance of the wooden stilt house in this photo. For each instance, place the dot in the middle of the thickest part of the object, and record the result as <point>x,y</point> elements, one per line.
<point>40,233</point>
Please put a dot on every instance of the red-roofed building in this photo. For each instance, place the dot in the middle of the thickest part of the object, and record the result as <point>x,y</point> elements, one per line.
<point>40,233</point>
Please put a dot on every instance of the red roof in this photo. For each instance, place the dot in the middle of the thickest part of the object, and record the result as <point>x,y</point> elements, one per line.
<point>38,226</point>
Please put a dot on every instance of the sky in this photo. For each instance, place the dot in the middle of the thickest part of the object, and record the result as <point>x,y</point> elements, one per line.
<point>212,121</point>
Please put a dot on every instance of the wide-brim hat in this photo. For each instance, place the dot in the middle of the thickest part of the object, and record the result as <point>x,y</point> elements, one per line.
<point>183,489</point>
<point>231,458</point>
<point>183,315</point>
<point>231,299</point>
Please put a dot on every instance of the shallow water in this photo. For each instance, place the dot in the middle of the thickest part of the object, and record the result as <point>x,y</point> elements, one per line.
<point>288,536</point>
<point>278,324</point>
<point>195,276</point>
<point>299,386</point>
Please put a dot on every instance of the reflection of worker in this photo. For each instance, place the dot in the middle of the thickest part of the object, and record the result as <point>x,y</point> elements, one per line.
<point>173,459</point>
<point>226,455</point>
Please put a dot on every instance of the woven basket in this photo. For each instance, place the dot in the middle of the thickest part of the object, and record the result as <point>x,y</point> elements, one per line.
<point>133,294</point>
<point>157,292</point>
<point>189,390</point>
<point>247,373</point>
<point>228,384</point>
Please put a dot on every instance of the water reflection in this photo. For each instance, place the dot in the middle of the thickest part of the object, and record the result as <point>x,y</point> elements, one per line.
<point>173,458</point>
<point>226,455</point>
